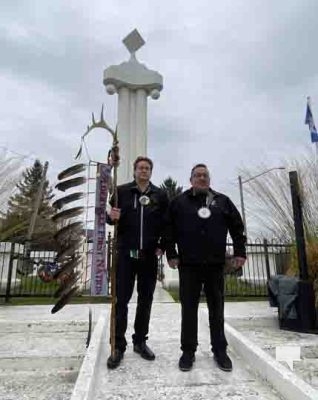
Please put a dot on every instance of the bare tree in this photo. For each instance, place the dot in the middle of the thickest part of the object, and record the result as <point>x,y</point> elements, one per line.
<point>10,173</point>
<point>270,198</point>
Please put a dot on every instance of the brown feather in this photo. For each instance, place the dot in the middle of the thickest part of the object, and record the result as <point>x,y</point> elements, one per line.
<point>69,213</point>
<point>75,169</point>
<point>64,185</point>
<point>69,251</point>
<point>69,266</point>
<point>67,284</point>
<point>67,199</point>
<point>64,300</point>
<point>71,229</point>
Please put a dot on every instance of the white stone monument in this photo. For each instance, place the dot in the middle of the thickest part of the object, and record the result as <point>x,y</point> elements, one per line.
<point>5,255</point>
<point>133,82</point>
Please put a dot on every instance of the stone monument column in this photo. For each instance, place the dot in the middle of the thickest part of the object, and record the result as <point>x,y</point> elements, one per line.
<point>133,82</point>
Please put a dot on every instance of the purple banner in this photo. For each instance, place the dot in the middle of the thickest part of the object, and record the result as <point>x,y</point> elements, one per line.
<point>99,267</point>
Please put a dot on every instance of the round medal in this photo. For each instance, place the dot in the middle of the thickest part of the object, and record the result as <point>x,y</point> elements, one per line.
<point>144,200</point>
<point>204,212</point>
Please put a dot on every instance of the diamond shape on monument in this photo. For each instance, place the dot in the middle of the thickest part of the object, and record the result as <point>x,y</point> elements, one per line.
<point>133,41</point>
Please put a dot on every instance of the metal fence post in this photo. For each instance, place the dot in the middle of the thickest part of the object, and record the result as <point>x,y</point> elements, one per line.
<point>10,268</point>
<point>268,273</point>
<point>299,226</point>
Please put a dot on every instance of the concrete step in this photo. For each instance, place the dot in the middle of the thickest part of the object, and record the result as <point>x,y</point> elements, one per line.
<point>36,328</point>
<point>56,385</point>
<point>38,364</point>
<point>265,333</point>
<point>140,379</point>
<point>40,357</point>
<point>47,344</point>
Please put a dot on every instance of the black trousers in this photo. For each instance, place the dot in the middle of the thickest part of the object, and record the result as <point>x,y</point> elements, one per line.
<point>192,279</point>
<point>128,269</point>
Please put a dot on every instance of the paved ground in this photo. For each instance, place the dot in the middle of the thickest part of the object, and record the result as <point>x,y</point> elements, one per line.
<point>40,355</point>
<point>259,323</point>
<point>161,379</point>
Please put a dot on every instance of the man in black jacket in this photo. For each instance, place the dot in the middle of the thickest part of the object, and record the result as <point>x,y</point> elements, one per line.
<point>140,214</point>
<point>200,220</point>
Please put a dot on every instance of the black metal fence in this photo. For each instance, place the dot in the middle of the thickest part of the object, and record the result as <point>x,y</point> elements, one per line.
<point>19,271</point>
<point>264,259</point>
<point>19,274</point>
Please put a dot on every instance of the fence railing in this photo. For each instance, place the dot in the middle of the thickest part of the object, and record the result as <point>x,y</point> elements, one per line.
<point>19,273</point>
<point>264,259</point>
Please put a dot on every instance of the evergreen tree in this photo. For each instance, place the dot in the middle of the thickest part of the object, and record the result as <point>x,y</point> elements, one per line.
<point>16,220</point>
<point>171,188</point>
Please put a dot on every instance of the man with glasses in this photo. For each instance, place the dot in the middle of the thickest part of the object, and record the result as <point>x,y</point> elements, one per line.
<point>141,211</point>
<point>199,221</point>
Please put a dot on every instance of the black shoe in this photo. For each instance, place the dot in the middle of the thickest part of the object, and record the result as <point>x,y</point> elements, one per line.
<point>186,360</point>
<point>113,362</point>
<point>144,351</point>
<point>223,361</point>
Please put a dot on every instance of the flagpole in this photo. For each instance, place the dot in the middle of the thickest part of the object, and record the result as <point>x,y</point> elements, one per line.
<point>309,120</point>
<point>309,103</point>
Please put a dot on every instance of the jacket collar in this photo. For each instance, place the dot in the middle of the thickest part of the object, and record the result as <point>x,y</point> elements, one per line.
<point>191,193</point>
<point>134,187</point>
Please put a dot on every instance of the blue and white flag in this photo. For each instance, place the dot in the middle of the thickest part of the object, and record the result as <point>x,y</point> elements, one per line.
<point>309,120</point>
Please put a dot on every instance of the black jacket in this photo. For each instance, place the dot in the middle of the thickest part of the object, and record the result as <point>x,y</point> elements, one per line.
<point>139,229</point>
<point>203,240</point>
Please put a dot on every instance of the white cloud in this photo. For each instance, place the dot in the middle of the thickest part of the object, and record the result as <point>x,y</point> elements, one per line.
<point>236,75</point>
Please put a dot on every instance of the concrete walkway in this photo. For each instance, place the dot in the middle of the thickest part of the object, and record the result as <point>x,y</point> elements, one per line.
<point>43,356</point>
<point>161,379</point>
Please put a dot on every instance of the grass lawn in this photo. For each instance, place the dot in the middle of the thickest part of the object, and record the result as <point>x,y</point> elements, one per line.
<point>235,287</point>
<point>235,290</point>
<point>32,291</point>
<point>27,301</point>
<point>42,293</point>
<point>26,285</point>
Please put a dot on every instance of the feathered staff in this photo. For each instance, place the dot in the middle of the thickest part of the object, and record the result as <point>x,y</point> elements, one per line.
<point>63,269</point>
<point>68,239</point>
<point>113,160</point>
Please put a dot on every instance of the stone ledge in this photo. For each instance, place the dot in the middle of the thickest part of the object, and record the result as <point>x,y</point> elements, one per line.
<point>282,379</point>
<point>84,386</point>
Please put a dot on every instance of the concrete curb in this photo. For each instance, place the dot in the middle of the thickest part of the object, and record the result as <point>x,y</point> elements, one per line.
<point>282,379</point>
<point>84,385</point>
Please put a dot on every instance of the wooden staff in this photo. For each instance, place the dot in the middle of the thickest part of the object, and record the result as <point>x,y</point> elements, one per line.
<point>113,268</point>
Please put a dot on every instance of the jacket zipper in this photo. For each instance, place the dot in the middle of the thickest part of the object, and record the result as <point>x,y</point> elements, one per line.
<point>142,222</point>
<point>141,226</point>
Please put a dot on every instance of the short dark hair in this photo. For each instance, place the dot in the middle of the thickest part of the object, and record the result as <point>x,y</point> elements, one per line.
<point>198,166</point>
<point>143,158</point>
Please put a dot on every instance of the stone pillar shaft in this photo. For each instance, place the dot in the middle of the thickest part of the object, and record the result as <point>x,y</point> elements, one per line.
<point>124,132</point>
<point>141,118</point>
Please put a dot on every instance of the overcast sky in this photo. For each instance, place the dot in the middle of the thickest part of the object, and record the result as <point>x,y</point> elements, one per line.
<point>236,76</point>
